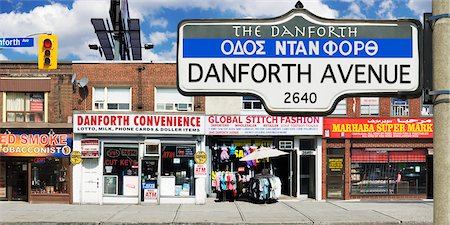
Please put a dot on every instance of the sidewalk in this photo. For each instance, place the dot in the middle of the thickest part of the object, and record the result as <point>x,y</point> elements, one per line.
<point>283,212</point>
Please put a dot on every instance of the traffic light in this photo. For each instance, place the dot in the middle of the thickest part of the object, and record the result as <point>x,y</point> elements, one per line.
<point>48,52</point>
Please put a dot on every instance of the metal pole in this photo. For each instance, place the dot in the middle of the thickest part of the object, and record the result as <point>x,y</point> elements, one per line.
<point>441,81</point>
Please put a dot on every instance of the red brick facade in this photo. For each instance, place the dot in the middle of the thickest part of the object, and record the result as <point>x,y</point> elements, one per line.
<point>353,111</point>
<point>60,94</point>
<point>150,75</point>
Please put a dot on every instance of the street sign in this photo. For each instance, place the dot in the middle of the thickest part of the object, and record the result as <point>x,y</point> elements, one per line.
<point>16,42</point>
<point>299,63</point>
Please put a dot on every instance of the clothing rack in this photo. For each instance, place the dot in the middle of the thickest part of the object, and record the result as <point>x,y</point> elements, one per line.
<point>265,188</point>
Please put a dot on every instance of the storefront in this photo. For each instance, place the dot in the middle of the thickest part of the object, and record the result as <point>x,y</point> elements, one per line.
<point>229,138</point>
<point>136,158</point>
<point>35,167</point>
<point>377,157</point>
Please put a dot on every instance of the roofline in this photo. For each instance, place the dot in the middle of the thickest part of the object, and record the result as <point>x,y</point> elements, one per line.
<point>123,62</point>
<point>88,62</point>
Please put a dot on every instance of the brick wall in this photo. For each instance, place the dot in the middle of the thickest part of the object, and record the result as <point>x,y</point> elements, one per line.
<point>60,95</point>
<point>127,74</point>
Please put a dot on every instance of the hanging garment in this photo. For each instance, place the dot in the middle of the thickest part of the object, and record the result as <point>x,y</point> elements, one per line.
<point>224,154</point>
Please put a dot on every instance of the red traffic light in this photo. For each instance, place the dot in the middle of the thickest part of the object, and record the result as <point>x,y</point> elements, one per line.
<point>47,43</point>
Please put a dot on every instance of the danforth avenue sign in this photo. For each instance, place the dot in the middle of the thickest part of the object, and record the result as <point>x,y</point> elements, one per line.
<point>299,63</point>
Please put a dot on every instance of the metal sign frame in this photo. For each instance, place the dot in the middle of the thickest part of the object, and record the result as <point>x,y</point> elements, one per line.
<point>404,94</point>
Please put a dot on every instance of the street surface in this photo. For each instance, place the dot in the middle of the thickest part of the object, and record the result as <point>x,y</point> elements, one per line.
<point>283,212</point>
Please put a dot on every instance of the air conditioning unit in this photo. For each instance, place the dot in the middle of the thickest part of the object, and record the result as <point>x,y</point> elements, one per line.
<point>182,106</point>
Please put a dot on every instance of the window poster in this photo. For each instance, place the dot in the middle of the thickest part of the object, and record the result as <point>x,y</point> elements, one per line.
<point>36,102</point>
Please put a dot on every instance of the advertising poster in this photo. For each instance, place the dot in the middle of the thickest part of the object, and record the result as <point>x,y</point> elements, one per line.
<point>130,185</point>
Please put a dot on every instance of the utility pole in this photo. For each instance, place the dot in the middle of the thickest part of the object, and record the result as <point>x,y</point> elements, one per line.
<point>441,85</point>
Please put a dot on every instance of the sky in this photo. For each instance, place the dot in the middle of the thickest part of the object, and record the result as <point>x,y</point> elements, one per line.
<point>70,20</point>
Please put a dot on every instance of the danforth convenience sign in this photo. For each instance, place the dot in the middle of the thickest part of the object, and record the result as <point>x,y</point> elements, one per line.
<point>299,63</point>
<point>138,124</point>
<point>378,128</point>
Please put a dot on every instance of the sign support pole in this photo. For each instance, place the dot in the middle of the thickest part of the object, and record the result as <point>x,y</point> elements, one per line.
<point>441,81</point>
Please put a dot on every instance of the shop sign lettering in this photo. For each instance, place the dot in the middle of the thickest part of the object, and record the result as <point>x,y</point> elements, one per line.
<point>200,170</point>
<point>298,63</point>
<point>36,145</point>
<point>185,151</point>
<point>129,152</point>
<point>113,153</point>
<point>120,162</point>
<point>138,124</point>
<point>335,165</point>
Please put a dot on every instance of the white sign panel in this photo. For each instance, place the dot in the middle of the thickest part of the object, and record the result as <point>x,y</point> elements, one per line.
<point>90,148</point>
<point>263,125</point>
<point>130,185</point>
<point>200,170</point>
<point>298,62</point>
<point>138,124</point>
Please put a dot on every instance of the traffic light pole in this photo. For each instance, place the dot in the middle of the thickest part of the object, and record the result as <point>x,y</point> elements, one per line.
<point>441,85</point>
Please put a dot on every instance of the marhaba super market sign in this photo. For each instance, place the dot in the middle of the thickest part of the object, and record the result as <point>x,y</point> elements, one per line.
<point>36,145</point>
<point>138,124</point>
<point>378,128</point>
<point>298,62</point>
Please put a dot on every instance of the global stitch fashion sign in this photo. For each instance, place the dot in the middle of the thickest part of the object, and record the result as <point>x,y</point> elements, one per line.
<point>263,125</point>
<point>138,124</point>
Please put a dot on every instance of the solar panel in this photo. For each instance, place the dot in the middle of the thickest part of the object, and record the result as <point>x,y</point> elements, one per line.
<point>135,38</point>
<point>102,35</point>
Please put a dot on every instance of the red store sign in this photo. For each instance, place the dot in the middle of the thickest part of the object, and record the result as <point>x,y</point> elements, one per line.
<point>138,124</point>
<point>378,128</point>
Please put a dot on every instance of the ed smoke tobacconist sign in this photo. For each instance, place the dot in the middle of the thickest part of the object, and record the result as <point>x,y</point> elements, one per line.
<point>138,124</point>
<point>298,62</point>
<point>378,128</point>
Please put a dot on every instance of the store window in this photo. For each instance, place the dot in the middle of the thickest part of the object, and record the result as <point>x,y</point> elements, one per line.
<point>308,144</point>
<point>285,144</point>
<point>388,172</point>
<point>178,162</point>
<point>49,175</point>
<point>25,107</point>
<point>250,102</point>
<point>370,106</point>
<point>169,99</point>
<point>120,172</point>
<point>399,107</point>
<point>112,98</point>
<point>341,108</point>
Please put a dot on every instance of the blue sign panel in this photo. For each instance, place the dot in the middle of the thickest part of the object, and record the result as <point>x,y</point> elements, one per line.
<point>16,42</point>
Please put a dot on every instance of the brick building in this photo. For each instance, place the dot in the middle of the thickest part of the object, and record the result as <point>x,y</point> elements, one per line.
<point>137,134</point>
<point>378,148</point>
<point>35,132</point>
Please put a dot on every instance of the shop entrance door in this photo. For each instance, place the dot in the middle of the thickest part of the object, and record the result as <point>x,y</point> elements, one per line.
<point>17,179</point>
<point>91,182</point>
<point>149,179</point>
<point>282,167</point>
<point>307,176</point>
<point>335,176</point>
